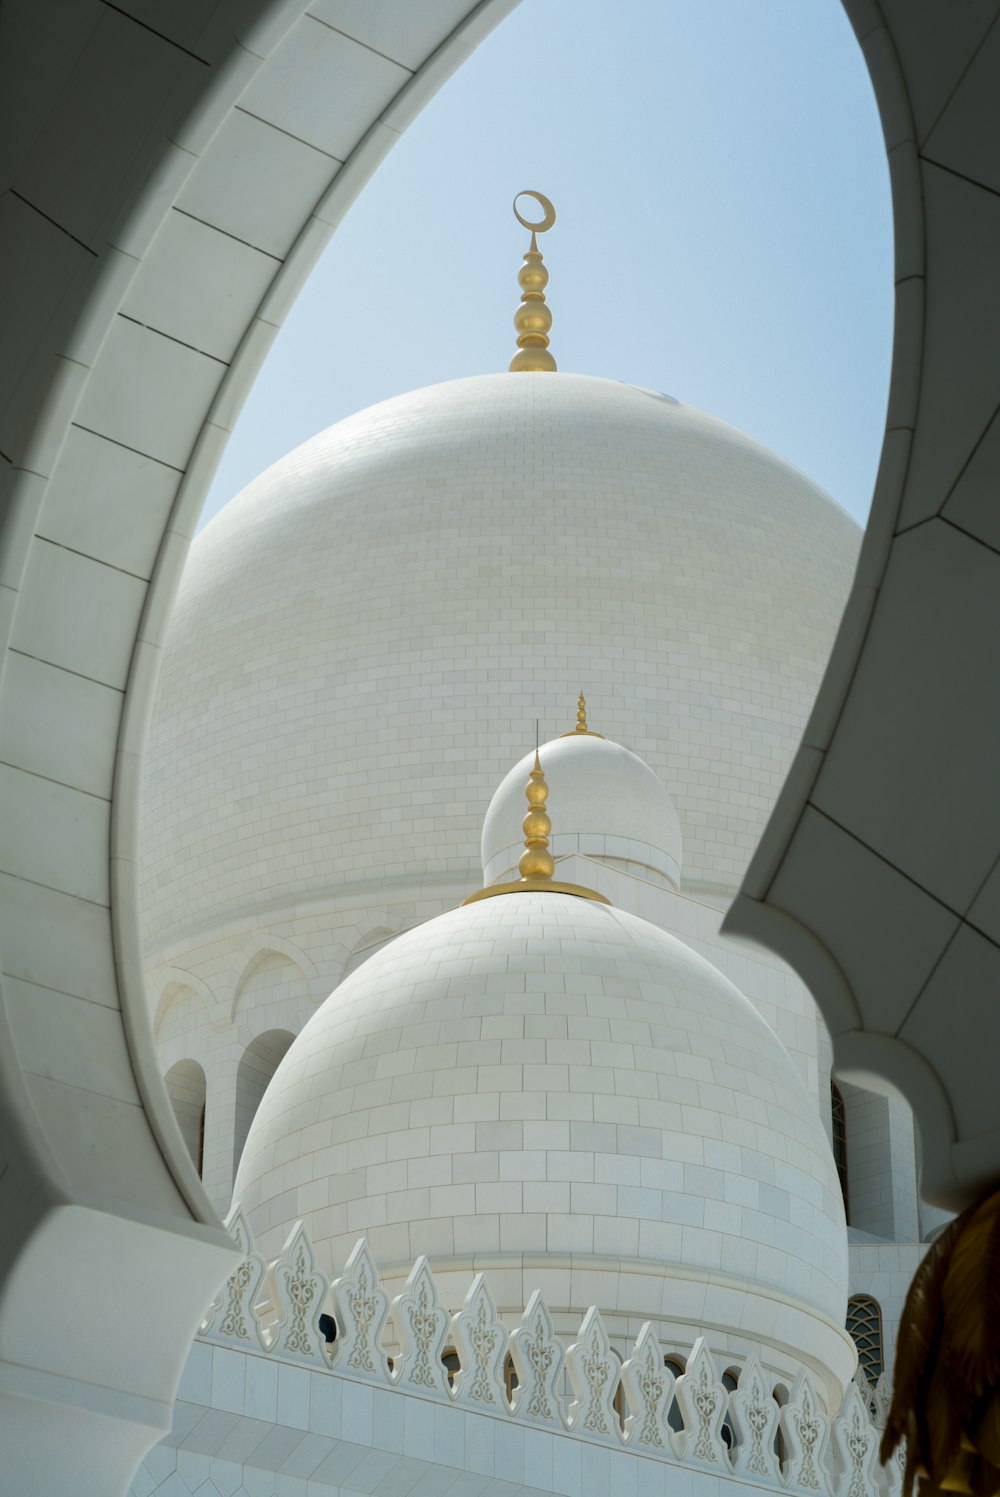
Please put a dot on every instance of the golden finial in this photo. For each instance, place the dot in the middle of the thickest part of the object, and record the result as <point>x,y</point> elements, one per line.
<point>537,864</point>
<point>533,318</point>
<point>536,860</point>
<point>581,722</point>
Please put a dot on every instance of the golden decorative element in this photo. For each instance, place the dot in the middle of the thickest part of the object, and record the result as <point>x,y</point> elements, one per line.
<point>581,722</point>
<point>946,1385</point>
<point>536,860</point>
<point>537,864</point>
<point>533,318</point>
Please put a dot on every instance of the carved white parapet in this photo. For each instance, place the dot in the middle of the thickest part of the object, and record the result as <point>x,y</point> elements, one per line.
<point>538,1362</point>
<point>753,1415</point>
<point>881,1399</point>
<point>866,1390</point>
<point>480,1338</point>
<point>878,1398</point>
<point>275,1310</point>
<point>649,1388</point>
<point>806,1432</point>
<point>299,1292</point>
<point>702,1398</point>
<point>422,1327</point>
<point>361,1307</point>
<point>855,1442</point>
<point>891,1475</point>
<point>594,1372</point>
<point>230,1317</point>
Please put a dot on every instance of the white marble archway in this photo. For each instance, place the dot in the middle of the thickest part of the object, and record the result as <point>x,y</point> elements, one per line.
<point>878,877</point>
<point>171,184</point>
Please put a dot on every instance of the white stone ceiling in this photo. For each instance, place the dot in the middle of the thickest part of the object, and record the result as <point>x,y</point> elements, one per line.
<point>878,875</point>
<point>173,169</point>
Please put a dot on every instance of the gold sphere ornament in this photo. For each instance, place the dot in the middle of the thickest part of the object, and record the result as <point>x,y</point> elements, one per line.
<point>533,276</point>
<point>532,317</point>
<point>532,320</point>
<point>581,721</point>
<point>536,862</point>
<point>536,791</point>
<point>532,358</point>
<point>536,825</point>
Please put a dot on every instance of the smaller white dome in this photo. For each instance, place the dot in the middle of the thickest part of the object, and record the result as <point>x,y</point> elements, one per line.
<point>561,1092</point>
<point>604,801</point>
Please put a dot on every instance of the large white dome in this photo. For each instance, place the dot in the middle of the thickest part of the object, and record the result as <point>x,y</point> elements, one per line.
<point>537,1081</point>
<point>364,638</point>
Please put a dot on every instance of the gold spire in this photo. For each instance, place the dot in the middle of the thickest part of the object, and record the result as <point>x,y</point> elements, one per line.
<point>581,722</point>
<point>533,318</point>
<point>537,864</point>
<point>536,860</point>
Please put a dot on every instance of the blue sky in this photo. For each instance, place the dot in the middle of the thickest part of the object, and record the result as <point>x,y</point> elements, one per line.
<point>724,232</point>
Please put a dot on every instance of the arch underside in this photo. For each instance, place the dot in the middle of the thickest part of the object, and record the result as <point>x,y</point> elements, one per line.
<point>877,877</point>
<point>225,154</point>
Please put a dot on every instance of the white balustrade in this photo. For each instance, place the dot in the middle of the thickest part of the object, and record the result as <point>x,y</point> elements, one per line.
<point>594,1372</point>
<point>692,1421</point>
<point>422,1327</point>
<point>298,1293</point>
<point>230,1319</point>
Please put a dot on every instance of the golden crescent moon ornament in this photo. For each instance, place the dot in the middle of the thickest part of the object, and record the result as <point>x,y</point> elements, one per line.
<point>548,211</point>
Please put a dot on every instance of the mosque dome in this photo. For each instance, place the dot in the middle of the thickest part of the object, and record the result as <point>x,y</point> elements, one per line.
<point>386,611</point>
<point>635,824</point>
<point>559,1090</point>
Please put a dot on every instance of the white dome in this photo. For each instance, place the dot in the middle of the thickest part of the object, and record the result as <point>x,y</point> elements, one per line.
<point>354,657</point>
<point>535,1079</point>
<point>604,803</point>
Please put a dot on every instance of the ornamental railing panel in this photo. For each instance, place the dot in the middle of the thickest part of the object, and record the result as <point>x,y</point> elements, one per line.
<point>753,1434</point>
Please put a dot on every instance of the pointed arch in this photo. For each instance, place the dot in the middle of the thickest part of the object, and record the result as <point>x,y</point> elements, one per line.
<point>864,1325</point>
<point>187,1089</point>
<point>258,1064</point>
<point>373,940</point>
<point>174,985</point>
<point>838,1122</point>
<point>277,967</point>
<point>263,942</point>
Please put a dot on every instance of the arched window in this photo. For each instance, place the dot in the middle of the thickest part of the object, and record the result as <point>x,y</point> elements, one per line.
<point>839,1139</point>
<point>781,1398</point>
<point>185,1083</point>
<point>258,1064</point>
<point>730,1381</point>
<point>864,1325</point>
<point>618,1402</point>
<point>675,1365</point>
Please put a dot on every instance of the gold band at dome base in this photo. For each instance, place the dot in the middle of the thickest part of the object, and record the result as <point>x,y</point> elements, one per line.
<point>536,886</point>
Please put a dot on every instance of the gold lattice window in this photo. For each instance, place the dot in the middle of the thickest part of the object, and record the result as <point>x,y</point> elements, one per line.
<point>864,1325</point>
<point>839,1137</point>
